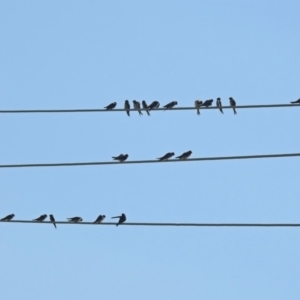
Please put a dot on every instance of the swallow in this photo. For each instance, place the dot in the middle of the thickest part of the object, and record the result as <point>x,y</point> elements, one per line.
<point>145,106</point>
<point>99,219</point>
<point>111,106</point>
<point>41,218</point>
<point>232,104</point>
<point>122,219</point>
<point>219,105</point>
<point>207,103</point>
<point>75,219</point>
<point>170,105</point>
<point>52,219</point>
<point>137,106</point>
<point>127,107</point>
<point>121,157</point>
<point>154,105</point>
<point>297,101</point>
<point>8,217</point>
<point>166,156</point>
<point>184,155</point>
<point>198,103</point>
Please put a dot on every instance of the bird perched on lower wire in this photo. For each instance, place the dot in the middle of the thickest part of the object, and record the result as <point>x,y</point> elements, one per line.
<point>121,157</point>
<point>198,103</point>
<point>296,102</point>
<point>137,106</point>
<point>219,105</point>
<point>170,105</point>
<point>99,219</point>
<point>41,218</point>
<point>232,104</point>
<point>166,156</point>
<point>75,219</point>
<point>207,103</point>
<point>184,155</point>
<point>154,105</point>
<point>122,219</point>
<point>111,106</point>
<point>127,107</point>
<point>145,106</point>
<point>8,217</point>
<point>52,219</point>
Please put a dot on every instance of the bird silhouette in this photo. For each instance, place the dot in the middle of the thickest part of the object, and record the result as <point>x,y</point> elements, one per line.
<point>219,105</point>
<point>122,219</point>
<point>154,105</point>
<point>232,104</point>
<point>41,218</point>
<point>127,107</point>
<point>137,106</point>
<point>111,106</point>
<point>8,217</point>
<point>198,104</point>
<point>170,105</point>
<point>52,219</point>
<point>75,219</point>
<point>121,157</point>
<point>166,156</point>
<point>184,155</point>
<point>99,219</point>
<point>145,106</point>
<point>207,103</point>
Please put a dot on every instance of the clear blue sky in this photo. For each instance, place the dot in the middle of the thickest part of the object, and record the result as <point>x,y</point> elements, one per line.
<point>87,54</point>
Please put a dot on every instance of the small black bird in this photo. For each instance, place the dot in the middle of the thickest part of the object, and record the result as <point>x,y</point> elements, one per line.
<point>198,103</point>
<point>137,106</point>
<point>153,105</point>
<point>99,219</point>
<point>121,157</point>
<point>232,104</point>
<point>145,106</point>
<point>8,217</point>
<point>122,219</point>
<point>184,155</point>
<point>297,101</point>
<point>170,105</point>
<point>219,105</point>
<point>166,156</point>
<point>111,106</point>
<point>41,218</point>
<point>127,107</point>
<point>207,103</point>
<point>75,219</point>
<point>52,219</point>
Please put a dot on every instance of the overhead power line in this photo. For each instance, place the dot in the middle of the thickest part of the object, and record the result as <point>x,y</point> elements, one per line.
<point>166,224</point>
<point>78,164</point>
<point>24,111</point>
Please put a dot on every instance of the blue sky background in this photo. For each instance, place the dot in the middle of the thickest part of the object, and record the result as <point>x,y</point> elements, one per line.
<point>87,54</point>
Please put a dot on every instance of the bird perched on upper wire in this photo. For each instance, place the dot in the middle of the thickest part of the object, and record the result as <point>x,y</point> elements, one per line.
<point>122,219</point>
<point>219,105</point>
<point>185,155</point>
<point>99,219</point>
<point>137,106</point>
<point>41,218</point>
<point>232,104</point>
<point>198,103</point>
<point>296,102</point>
<point>8,217</point>
<point>166,156</point>
<point>52,219</point>
<point>121,157</point>
<point>170,105</point>
<point>207,103</point>
<point>111,106</point>
<point>154,105</point>
<point>75,219</point>
<point>127,107</point>
<point>145,106</point>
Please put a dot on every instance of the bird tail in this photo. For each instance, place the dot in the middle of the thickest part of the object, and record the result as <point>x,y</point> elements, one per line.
<point>234,111</point>
<point>54,225</point>
<point>148,112</point>
<point>198,111</point>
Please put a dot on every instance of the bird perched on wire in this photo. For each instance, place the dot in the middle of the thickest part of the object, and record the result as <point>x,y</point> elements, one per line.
<point>52,219</point>
<point>75,219</point>
<point>184,155</point>
<point>111,106</point>
<point>8,217</point>
<point>121,157</point>
<point>232,104</point>
<point>145,106</point>
<point>99,219</point>
<point>198,103</point>
<point>127,107</point>
<point>207,103</point>
<point>170,105</point>
<point>166,156</point>
<point>122,219</point>
<point>154,105</point>
<point>219,105</point>
<point>296,102</point>
<point>137,106</point>
<point>41,218</point>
